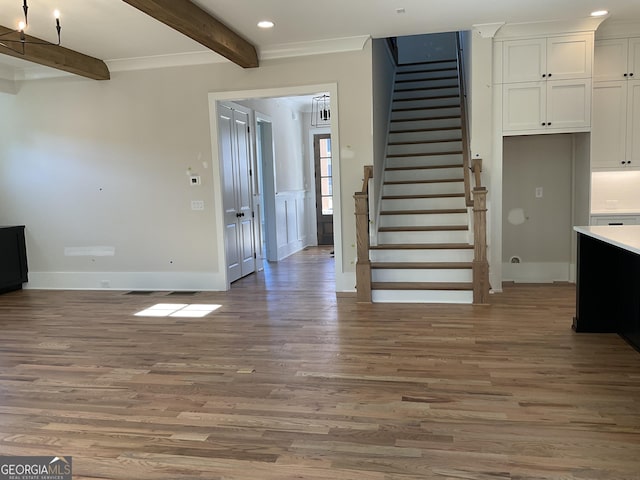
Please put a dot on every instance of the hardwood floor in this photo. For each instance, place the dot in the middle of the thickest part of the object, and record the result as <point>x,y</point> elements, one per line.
<point>285,381</point>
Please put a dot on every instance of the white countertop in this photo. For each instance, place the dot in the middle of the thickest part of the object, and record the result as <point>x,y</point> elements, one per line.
<point>623,236</point>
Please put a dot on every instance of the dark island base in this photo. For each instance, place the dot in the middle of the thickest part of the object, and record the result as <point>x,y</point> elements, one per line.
<point>608,290</point>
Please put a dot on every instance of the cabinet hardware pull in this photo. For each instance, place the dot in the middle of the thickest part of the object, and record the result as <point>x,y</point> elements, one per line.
<point>626,74</point>
<point>544,75</point>
<point>543,124</point>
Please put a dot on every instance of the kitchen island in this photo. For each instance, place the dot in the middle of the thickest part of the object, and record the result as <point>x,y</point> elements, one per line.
<point>608,281</point>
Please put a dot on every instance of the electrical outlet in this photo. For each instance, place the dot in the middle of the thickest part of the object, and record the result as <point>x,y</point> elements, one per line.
<point>197,204</point>
<point>538,192</point>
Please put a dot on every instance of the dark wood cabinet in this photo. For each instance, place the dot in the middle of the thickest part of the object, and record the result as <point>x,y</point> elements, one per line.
<point>608,289</point>
<point>13,258</point>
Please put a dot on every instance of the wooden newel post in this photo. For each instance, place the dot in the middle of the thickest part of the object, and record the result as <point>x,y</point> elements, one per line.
<point>480,262</point>
<point>363,264</point>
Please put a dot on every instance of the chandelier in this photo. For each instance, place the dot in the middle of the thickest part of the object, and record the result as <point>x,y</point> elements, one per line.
<point>320,111</point>
<point>22,39</point>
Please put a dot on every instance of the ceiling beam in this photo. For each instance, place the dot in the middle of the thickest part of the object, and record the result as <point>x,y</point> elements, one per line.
<point>53,56</point>
<point>199,25</point>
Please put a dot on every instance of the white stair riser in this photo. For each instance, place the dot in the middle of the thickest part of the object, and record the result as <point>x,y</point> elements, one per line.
<point>426,161</point>
<point>424,174</point>
<point>422,203</point>
<point>446,236</point>
<point>428,83</point>
<point>423,124</point>
<point>421,296</point>
<point>432,66</point>
<point>440,92</point>
<point>423,255</point>
<point>425,220</point>
<point>421,73</point>
<point>423,188</point>
<point>412,148</point>
<point>430,113</point>
<point>425,102</point>
<point>425,136</point>
<point>421,275</point>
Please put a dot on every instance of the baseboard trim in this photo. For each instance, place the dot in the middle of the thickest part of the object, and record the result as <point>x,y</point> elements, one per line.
<point>173,281</point>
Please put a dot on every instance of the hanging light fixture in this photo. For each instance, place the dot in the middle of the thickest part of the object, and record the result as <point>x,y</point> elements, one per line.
<point>320,111</point>
<point>22,39</point>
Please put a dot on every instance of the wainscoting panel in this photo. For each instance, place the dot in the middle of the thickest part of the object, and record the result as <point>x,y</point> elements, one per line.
<point>291,215</point>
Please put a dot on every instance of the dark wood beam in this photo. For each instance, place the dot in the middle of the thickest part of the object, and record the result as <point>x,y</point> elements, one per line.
<point>53,56</point>
<point>199,25</point>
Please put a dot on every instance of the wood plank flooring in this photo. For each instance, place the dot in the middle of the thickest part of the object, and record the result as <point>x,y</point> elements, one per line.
<point>285,381</point>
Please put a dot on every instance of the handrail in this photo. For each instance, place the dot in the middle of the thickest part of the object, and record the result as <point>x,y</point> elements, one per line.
<point>475,197</point>
<point>466,155</point>
<point>363,264</point>
<point>368,175</point>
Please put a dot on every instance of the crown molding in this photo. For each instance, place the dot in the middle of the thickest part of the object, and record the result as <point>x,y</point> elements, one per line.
<point>318,47</point>
<point>557,27</point>
<point>618,28</point>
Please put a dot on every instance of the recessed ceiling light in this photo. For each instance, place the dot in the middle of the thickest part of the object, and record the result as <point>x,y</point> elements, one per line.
<point>599,13</point>
<point>265,24</point>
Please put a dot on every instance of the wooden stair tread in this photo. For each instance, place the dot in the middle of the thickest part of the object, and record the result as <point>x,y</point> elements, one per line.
<point>433,97</point>
<point>412,182</point>
<point>426,142</point>
<point>422,119</point>
<point>432,107</point>
<point>422,89</point>
<point>440,211</point>
<point>462,286</point>
<point>426,130</point>
<point>447,69</point>
<point>428,62</point>
<point>409,80</point>
<point>422,167</point>
<point>424,154</point>
<point>422,265</point>
<point>425,228</point>
<point>422,246</point>
<point>430,195</point>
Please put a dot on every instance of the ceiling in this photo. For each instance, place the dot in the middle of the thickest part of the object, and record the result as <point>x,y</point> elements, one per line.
<point>116,32</point>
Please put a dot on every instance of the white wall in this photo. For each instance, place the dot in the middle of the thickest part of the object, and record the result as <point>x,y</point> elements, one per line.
<point>87,163</point>
<point>383,83</point>
<point>426,48</point>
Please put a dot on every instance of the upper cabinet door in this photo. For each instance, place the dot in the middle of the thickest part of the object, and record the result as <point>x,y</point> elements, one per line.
<point>524,60</point>
<point>569,57</point>
<point>634,59</point>
<point>610,61</point>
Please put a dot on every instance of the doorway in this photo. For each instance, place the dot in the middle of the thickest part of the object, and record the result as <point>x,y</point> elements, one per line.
<point>292,207</point>
<point>324,187</point>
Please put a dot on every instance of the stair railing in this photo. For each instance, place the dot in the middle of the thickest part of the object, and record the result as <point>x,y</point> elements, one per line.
<point>475,197</point>
<point>363,264</point>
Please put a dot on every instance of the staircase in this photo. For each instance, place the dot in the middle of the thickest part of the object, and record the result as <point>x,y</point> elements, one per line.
<point>424,248</point>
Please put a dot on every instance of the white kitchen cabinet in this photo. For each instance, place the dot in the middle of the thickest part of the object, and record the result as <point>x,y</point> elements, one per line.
<point>615,133</point>
<point>555,106</point>
<point>615,220</point>
<point>617,59</point>
<point>552,58</point>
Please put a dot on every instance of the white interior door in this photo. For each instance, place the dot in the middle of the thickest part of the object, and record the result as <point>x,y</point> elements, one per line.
<point>235,158</point>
